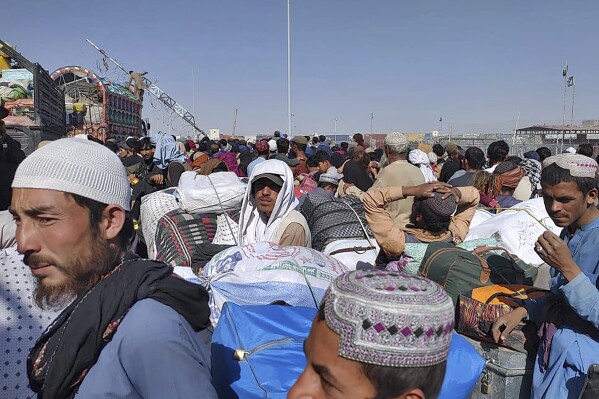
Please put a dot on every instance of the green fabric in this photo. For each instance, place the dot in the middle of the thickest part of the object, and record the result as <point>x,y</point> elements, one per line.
<point>459,270</point>
<point>416,251</point>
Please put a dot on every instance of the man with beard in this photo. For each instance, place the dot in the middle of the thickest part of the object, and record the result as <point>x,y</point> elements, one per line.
<point>439,213</point>
<point>130,328</point>
<point>568,318</point>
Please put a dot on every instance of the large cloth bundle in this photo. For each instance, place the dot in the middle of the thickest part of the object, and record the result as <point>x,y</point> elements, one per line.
<point>334,219</point>
<point>153,207</point>
<point>257,350</point>
<point>518,229</point>
<point>180,236</point>
<point>215,193</point>
<point>263,273</point>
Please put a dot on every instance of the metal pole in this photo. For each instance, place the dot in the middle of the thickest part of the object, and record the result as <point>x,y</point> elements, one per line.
<point>335,126</point>
<point>371,118</point>
<point>561,149</point>
<point>289,67</point>
<point>572,114</point>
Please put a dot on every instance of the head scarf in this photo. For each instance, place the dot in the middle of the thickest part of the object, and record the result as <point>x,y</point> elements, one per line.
<point>199,160</point>
<point>167,150</point>
<point>252,228</point>
<point>532,168</point>
<point>209,166</point>
<point>510,173</point>
<point>420,159</point>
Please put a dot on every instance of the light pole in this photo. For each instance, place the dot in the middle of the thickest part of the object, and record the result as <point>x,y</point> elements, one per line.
<point>336,126</point>
<point>289,67</point>
<point>371,118</point>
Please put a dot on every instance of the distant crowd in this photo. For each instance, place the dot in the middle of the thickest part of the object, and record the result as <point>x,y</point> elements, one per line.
<point>100,226</point>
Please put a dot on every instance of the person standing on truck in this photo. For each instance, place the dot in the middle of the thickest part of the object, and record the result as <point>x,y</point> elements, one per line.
<point>139,86</point>
<point>11,156</point>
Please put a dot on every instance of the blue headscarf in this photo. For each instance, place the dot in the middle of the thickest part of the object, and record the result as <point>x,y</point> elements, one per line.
<point>167,150</point>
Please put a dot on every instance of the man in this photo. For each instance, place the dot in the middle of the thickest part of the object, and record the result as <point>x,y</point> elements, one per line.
<point>398,173</point>
<point>327,186</point>
<point>508,177</point>
<point>496,153</point>
<point>140,85</point>
<point>544,153</point>
<point>439,213</point>
<point>324,146</point>
<point>11,156</point>
<point>128,151</point>
<point>586,149</point>
<point>281,155</point>
<point>268,209</point>
<point>130,329</point>
<point>452,164</point>
<point>298,147</point>
<point>323,160</point>
<point>568,319</point>
<point>474,160</point>
<point>377,334</point>
<point>262,151</point>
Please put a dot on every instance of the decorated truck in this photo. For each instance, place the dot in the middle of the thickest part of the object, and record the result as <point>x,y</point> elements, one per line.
<point>97,106</point>
<point>35,103</point>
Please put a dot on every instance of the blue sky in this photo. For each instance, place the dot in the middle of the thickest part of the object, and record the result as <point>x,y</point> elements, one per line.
<point>477,64</point>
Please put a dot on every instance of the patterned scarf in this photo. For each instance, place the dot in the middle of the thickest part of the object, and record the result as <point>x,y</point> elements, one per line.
<point>532,168</point>
<point>71,345</point>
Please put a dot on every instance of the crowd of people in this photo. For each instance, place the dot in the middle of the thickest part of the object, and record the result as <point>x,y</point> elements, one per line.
<point>102,317</point>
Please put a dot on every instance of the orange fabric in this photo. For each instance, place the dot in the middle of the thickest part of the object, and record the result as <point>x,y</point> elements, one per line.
<point>517,291</point>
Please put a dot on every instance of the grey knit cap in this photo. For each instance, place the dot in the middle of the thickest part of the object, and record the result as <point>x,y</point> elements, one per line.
<point>79,167</point>
<point>443,208</point>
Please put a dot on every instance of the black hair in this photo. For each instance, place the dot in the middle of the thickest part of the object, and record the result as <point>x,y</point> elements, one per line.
<point>111,145</point>
<point>428,221</point>
<point>391,382</point>
<point>358,137</point>
<point>515,159</point>
<point>475,157</point>
<point>320,156</point>
<point>497,151</point>
<point>145,142</point>
<point>544,153</point>
<point>201,146</point>
<point>96,213</point>
<point>344,145</point>
<point>221,167</point>
<point>553,175</point>
<point>586,150</point>
<point>322,138</point>
<point>438,150</point>
<point>282,146</point>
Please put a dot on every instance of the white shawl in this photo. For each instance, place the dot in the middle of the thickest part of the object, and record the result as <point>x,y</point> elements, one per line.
<point>252,228</point>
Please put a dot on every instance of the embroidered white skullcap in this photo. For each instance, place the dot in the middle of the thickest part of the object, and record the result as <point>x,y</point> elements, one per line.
<point>79,167</point>
<point>578,165</point>
<point>398,141</point>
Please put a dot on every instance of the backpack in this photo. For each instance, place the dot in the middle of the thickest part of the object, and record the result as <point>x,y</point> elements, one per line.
<point>458,270</point>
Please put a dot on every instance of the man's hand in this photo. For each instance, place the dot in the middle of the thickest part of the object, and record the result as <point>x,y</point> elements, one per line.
<point>157,179</point>
<point>427,190</point>
<point>505,324</point>
<point>555,252</point>
<point>346,186</point>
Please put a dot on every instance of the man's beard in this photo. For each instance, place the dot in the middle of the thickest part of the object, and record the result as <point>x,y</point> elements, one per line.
<point>79,275</point>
